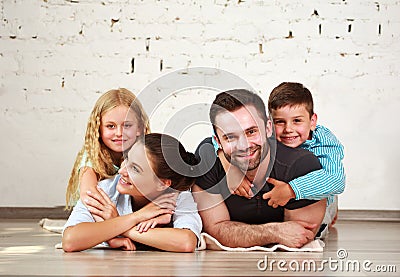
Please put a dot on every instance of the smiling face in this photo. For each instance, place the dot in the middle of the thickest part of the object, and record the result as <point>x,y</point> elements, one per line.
<point>242,135</point>
<point>293,124</point>
<point>137,176</point>
<point>119,129</point>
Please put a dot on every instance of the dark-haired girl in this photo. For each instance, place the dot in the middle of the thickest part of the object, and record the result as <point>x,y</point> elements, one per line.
<point>151,189</point>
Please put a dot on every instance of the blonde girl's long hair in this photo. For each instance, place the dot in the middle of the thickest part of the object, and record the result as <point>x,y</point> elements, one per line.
<point>96,151</point>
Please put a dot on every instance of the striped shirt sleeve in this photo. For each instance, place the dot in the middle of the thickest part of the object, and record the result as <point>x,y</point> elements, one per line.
<point>328,181</point>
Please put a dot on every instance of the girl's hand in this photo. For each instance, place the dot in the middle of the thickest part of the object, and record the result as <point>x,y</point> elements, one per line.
<point>123,243</point>
<point>164,204</point>
<point>100,205</point>
<point>151,223</point>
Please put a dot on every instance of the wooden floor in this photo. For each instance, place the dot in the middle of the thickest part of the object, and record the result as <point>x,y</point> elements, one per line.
<point>27,249</point>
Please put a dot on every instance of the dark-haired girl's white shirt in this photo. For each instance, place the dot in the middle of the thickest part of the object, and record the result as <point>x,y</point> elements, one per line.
<point>186,215</point>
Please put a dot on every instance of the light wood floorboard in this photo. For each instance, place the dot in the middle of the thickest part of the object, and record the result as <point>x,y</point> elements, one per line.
<point>27,249</point>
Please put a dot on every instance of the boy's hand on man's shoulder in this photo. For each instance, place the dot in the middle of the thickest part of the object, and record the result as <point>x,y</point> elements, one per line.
<point>244,189</point>
<point>280,194</point>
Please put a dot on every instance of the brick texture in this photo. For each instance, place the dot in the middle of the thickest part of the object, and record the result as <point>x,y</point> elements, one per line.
<point>56,57</point>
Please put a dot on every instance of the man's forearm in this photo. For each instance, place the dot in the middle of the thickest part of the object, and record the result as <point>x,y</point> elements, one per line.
<point>238,234</point>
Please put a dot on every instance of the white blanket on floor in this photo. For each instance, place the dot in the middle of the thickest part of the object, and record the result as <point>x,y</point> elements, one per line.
<point>53,225</point>
<point>211,243</point>
<point>206,241</point>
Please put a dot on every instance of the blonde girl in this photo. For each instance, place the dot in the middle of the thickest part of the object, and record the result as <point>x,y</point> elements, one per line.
<point>117,119</point>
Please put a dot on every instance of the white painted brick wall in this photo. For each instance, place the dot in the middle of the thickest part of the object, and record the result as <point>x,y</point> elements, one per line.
<point>56,57</point>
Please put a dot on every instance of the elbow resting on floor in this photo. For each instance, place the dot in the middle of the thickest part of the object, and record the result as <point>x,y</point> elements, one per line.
<point>188,243</point>
<point>68,244</point>
<point>67,247</point>
<point>188,247</point>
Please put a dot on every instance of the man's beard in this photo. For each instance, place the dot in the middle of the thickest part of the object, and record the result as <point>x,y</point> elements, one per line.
<point>248,165</point>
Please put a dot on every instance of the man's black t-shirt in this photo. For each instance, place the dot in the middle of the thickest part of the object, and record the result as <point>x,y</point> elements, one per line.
<point>289,164</point>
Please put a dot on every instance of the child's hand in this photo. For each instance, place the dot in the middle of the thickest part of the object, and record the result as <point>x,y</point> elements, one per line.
<point>151,223</point>
<point>244,189</point>
<point>100,205</point>
<point>280,194</point>
<point>237,182</point>
<point>123,243</point>
<point>164,204</point>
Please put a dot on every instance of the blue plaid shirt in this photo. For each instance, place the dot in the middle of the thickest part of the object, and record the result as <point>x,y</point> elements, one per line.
<point>329,180</point>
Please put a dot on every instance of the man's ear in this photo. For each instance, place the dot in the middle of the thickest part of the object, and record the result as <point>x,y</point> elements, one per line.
<point>313,121</point>
<point>163,184</point>
<point>268,128</point>
<point>216,139</point>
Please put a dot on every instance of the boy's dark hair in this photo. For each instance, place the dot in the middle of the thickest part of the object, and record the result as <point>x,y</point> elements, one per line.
<point>291,94</point>
<point>235,99</point>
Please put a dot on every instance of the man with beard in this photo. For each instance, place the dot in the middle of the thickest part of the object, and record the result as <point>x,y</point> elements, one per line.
<point>245,135</point>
